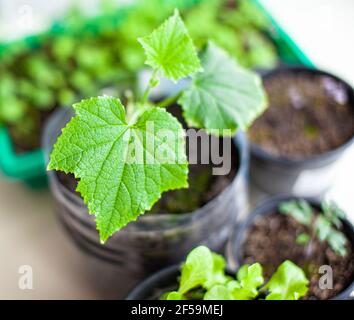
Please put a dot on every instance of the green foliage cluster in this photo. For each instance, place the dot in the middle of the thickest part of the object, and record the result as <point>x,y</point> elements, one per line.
<point>33,82</point>
<point>203,277</point>
<point>325,226</point>
<point>237,26</point>
<point>107,146</point>
<point>36,81</point>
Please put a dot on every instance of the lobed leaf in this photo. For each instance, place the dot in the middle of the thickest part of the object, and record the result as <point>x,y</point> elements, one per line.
<point>170,49</point>
<point>119,164</point>
<point>223,97</point>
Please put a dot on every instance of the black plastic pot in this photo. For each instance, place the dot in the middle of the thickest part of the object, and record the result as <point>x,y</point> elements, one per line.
<point>153,287</point>
<point>153,241</point>
<point>311,176</point>
<point>268,207</point>
<point>163,281</point>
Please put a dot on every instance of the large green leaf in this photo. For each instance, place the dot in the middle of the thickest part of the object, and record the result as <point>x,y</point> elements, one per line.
<point>224,96</point>
<point>123,167</point>
<point>170,49</point>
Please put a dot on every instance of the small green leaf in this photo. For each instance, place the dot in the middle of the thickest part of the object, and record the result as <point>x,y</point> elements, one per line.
<point>250,278</point>
<point>63,47</point>
<point>121,172</point>
<point>322,227</point>
<point>170,49</point>
<point>8,86</point>
<point>302,238</point>
<point>12,110</point>
<point>197,269</point>
<point>218,273</point>
<point>325,227</point>
<point>224,96</point>
<point>300,210</point>
<point>333,213</point>
<point>338,242</point>
<point>218,292</point>
<point>174,295</point>
<point>287,283</point>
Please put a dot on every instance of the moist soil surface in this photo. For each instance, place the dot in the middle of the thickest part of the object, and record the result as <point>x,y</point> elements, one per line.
<point>271,240</point>
<point>308,115</point>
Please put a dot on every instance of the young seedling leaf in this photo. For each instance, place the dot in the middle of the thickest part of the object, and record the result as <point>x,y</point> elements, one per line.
<point>300,210</point>
<point>338,242</point>
<point>322,227</point>
<point>223,97</point>
<point>197,269</point>
<point>302,238</point>
<point>123,167</point>
<point>287,283</point>
<point>333,213</point>
<point>250,278</point>
<point>218,292</point>
<point>174,295</point>
<point>170,49</point>
<point>217,276</point>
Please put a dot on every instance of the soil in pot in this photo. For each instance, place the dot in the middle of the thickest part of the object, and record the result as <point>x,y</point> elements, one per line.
<point>272,239</point>
<point>309,114</point>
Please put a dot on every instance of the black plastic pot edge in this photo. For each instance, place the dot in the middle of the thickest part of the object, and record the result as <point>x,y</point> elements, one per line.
<point>236,241</point>
<point>161,279</point>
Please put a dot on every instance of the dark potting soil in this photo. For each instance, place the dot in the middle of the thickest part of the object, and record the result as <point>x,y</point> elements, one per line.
<point>271,240</point>
<point>307,115</point>
<point>203,186</point>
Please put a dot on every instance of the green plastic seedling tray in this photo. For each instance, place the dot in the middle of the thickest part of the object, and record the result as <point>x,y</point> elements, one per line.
<point>288,51</point>
<point>29,167</point>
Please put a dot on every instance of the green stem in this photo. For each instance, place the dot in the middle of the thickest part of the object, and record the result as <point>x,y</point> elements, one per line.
<point>130,105</point>
<point>149,87</point>
<point>169,100</point>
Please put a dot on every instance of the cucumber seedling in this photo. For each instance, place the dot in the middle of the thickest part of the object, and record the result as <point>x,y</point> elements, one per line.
<point>125,157</point>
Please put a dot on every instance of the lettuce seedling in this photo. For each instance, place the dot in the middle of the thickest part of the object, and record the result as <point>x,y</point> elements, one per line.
<point>117,152</point>
<point>324,227</point>
<point>204,273</point>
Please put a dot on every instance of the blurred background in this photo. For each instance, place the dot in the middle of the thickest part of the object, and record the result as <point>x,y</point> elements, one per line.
<point>29,231</point>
